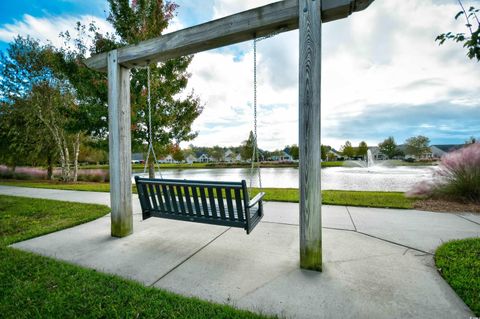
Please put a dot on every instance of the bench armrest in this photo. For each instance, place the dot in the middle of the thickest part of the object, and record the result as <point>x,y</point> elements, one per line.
<point>256,199</point>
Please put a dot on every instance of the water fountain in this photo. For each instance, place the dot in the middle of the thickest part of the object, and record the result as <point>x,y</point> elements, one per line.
<point>370,161</point>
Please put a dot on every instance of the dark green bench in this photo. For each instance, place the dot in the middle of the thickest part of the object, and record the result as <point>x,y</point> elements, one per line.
<point>210,202</point>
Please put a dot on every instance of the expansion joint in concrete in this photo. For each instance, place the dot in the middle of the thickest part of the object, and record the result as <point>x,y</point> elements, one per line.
<point>189,257</point>
<point>351,218</point>
<point>467,219</point>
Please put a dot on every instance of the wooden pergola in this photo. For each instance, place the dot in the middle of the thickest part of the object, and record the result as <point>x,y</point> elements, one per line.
<point>282,16</point>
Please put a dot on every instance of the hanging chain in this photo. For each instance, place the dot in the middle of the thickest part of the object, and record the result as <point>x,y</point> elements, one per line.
<point>150,135</point>
<point>255,153</point>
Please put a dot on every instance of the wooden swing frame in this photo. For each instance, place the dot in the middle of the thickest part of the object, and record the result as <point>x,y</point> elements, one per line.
<point>282,16</point>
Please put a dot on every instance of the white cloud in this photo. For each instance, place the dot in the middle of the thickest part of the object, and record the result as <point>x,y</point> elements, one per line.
<point>47,29</point>
<point>385,55</point>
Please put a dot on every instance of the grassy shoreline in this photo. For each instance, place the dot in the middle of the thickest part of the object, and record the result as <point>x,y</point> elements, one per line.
<point>329,197</point>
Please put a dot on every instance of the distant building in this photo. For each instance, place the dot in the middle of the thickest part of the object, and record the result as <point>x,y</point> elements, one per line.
<point>439,150</point>
<point>191,159</point>
<point>204,158</point>
<point>137,158</point>
<point>231,157</point>
<point>334,155</point>
<point>377,154</point>
<point>167,160</point>
<point>282,157</point>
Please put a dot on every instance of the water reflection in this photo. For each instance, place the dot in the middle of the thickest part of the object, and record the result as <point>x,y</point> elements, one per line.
<point>341,178</point>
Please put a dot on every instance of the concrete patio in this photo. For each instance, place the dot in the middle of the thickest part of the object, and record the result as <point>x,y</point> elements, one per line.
<point>378,263</point>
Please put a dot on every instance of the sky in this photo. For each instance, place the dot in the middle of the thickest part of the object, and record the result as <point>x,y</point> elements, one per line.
<point>383,74</point>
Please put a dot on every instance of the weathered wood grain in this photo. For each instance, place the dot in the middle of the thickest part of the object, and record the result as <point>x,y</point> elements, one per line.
<point>309,134</point>
<point>276,17</point>
<point>119,123</point>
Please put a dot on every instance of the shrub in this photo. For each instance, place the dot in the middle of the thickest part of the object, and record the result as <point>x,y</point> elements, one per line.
<point>22,173</point>
<point>93,175</point>
<point>457,176</point>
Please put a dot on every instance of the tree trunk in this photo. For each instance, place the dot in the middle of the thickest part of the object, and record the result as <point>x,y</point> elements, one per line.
<point>76,150</point>
<point>49,167</point>
<point>151,167</point>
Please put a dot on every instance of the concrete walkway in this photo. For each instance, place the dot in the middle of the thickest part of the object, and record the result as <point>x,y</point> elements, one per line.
<point>378,263</point>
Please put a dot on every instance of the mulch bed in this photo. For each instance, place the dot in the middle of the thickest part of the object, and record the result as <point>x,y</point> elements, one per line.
<point>442,205</point>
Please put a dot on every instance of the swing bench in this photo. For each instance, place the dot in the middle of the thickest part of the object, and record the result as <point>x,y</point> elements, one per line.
<point>209,202</point>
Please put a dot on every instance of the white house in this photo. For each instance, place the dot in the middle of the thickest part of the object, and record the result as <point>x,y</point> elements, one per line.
<point>167,160</point>
<point>203,158</point>
<point>231,157</point>
<point>191,159</point>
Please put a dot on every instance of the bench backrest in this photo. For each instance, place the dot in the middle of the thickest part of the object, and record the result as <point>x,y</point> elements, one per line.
<point>201,199</point>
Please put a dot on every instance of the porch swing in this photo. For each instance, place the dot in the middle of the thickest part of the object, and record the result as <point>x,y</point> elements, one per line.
<point>210,202</point>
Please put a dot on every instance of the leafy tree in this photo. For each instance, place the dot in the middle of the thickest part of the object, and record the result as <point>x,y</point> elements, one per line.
<point>217,153</point>
<point>347,150</point>
<point>362,149</point>
<point>172,116</point>
<point>388,147</point>
<point>246,152</point>
<point>177,153</point>
<point>471,140</point>
<point>472,41</point>
<point>417,145</point>
<point>41,101</point>
<point>294,151</point>
<point>324,149</point>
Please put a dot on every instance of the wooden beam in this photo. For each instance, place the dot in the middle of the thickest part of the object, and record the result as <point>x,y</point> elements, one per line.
<point>309,135</point>
<point>120,150</point>
<point>276,17</point>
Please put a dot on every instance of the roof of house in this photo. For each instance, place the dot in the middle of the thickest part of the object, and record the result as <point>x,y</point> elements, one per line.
<point>449,147</point>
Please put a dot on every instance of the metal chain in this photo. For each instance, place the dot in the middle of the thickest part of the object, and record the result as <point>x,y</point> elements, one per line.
<point>150,135</point>
<point>255,153</point>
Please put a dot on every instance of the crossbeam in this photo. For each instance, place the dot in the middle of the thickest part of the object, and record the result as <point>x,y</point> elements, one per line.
<point>280,16</point>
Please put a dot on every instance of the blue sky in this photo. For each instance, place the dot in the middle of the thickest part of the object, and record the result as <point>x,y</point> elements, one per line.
<point>382,74</point>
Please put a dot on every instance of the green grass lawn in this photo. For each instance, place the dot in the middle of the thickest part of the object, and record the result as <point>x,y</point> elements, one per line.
<point>330,197</point>
<point>459,263</point>
<point>32,286</point>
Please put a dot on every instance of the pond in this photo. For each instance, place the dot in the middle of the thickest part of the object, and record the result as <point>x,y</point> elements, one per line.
<point>376,178</point>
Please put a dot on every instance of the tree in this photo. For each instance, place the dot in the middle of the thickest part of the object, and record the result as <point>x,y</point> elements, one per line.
<point>388,147</point>
<point>471,140</point>
<point>217,153</point>
<point>177,153</point>
<point>347,150</point>
<point>472,41</point>
<point>246,152</point>
<point>324,149</point>
<point>417,145</point>
<point>362,149</point>
<point>294,151</point>
<point>172,115</point>
<point>41,100</point>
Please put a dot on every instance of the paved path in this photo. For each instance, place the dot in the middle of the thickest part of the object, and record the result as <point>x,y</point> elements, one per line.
<point>377,262</point>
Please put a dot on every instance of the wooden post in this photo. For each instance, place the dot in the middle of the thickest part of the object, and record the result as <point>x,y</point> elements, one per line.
<point>310,26</point>
<point>119,123</point>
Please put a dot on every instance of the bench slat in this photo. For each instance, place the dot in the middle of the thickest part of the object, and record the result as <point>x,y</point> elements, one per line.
<point>238,202</point>
<point>166,198</point>
<point>152,196</point>
<point>180,199</point>
<point>204,201</point>
<point>211,198</point>
<point>198,210</point>
<point>160,198</point>
<point>188,199</point>
<point>221,205</point>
